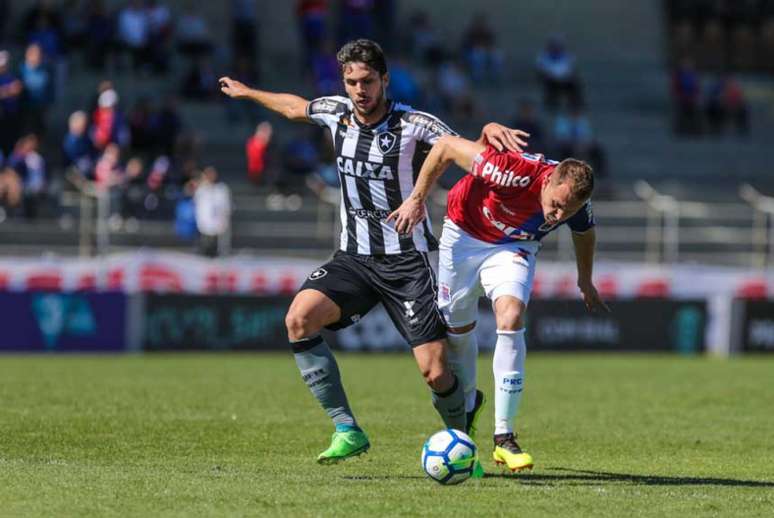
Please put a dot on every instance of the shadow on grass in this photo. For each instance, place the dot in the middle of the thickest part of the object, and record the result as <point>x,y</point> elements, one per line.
<point>589,478</point>
<point>384,477</point>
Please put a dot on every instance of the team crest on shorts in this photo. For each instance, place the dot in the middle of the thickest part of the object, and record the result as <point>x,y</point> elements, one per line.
<point>386,141</point>
<point>318,274</point>
<point>445,292</point>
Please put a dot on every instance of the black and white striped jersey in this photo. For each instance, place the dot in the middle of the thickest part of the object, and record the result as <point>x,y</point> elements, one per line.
<point>377,166</point>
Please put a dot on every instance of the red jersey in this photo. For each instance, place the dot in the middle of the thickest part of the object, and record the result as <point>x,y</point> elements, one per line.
<point>499,201</point>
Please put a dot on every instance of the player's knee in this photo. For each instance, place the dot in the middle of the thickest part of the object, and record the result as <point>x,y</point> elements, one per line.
<point>298,325</point>
<point>438,378</point>
<point>461,330</point>
<point>510,316</point>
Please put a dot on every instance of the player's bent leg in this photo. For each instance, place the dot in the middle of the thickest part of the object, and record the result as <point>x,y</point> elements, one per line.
<point>309,312</point>
<point>508,369</point>
<point>448,398</point>
<point>463,356</point>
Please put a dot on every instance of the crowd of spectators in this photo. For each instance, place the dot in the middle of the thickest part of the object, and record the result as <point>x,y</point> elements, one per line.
<point>447,78</point>
<point>135,148</point>
<point>715,106</point>
<point>131,148</point>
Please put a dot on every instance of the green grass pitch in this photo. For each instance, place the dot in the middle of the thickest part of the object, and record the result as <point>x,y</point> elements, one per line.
<point>236,435</point>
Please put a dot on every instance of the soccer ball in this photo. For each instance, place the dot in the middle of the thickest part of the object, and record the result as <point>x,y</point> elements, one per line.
<point>448,456</point>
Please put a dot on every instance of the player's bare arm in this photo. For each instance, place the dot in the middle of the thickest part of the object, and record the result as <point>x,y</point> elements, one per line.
<point>584,244</point>
<point>289,106</point>
<point>503,138</point>
<point>445,151</point>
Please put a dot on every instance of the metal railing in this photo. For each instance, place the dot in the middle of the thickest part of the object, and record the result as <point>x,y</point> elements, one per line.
<point>654,228</point>
<point>763,224</point>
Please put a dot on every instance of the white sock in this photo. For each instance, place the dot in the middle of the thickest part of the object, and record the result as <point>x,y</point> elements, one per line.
<point>508,367</point>
<point>463,354</point>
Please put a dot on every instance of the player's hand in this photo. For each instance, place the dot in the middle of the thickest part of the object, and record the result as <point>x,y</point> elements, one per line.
<point>410,213</point>
<point>591,297</point>
<point>234,88</point>
<point>503,138</point>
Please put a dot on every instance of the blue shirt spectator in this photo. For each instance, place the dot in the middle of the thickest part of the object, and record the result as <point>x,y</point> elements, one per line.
<point>77,149</point>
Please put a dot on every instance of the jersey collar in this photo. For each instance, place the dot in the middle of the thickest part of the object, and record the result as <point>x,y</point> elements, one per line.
<point>390,107</point>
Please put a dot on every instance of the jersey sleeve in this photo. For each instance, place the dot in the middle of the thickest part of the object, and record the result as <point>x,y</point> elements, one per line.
<point>582,220</point>
<point>427,128</point>
<point>501,168</point>
<point>325,111</point>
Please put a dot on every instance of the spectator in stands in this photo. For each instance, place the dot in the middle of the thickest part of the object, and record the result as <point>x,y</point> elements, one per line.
<point>301,158</point>
<point>139,120</point>
<point>527,120</point>
<point>38,84</point>
<point>482,55</point>
<point>456,90</point>
<point>11,89</point>
<point>403,86</point>
<point>245,72</point>
<point>423,44</point>
<point>256,149</point>
<point>686,92</point>
<point>326,70</point>
<point>244,29</point>
<point>108,122</point>
<point>311,16</point>
<point>212,202</point>
<point>46,31</point>
<point>100,30</point>
<point>165,126</point>
<point>31,168</point>
<point>355,20</point>
<point>5,15</point>
<point>185,213</point>
<point>133,191</point>
<point>385,13</point>
<point>726,106</point>
<point>159,34</point>
<point>77,149</point>
<point>193,34</point>
<point>201,81</point>
<point>134,32</point>
<point>107,171</point>
<point>556,70</point>
<point>574,137</point>
<point>11,191</point>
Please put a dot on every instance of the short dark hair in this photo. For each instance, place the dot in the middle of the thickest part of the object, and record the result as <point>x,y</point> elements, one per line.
<point>579,173</point>
<point>363,51</point>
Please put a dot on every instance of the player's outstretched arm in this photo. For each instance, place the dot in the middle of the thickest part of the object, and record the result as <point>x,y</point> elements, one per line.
<point>445,151</point>
<point>584,244</point>
<point>289,106</point>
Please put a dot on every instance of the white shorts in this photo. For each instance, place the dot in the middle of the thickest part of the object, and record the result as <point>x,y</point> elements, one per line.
<point>469,268</point>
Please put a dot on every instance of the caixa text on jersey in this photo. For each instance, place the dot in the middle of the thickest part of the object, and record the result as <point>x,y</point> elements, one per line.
<point>362,169</point>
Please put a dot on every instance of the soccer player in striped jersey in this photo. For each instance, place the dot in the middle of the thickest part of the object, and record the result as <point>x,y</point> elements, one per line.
<point>380,145</point>
<point>496,217</point>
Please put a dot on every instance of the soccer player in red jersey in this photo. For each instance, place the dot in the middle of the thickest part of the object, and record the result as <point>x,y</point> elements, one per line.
<point>496,217</point>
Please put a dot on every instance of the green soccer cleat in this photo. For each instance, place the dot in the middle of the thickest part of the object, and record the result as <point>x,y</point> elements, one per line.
<point>343,446</point>
<point>472,417</point>
<point>478,470</point>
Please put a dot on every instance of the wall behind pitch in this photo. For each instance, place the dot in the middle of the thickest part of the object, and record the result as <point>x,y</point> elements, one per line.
<point>63,322</point>
<point>636,325</point>
<point>186,322</point>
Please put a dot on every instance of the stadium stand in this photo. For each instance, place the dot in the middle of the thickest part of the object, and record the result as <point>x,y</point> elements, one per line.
<point>625,69</point>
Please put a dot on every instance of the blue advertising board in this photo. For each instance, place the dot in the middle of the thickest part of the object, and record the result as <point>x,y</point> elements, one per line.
<point>62,322</point>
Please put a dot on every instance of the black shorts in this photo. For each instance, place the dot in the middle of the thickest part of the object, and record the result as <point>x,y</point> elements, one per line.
<point>404,283</point>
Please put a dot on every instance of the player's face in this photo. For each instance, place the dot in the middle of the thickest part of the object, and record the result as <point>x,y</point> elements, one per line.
<point>365,87</point>
<point>558,202</point>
